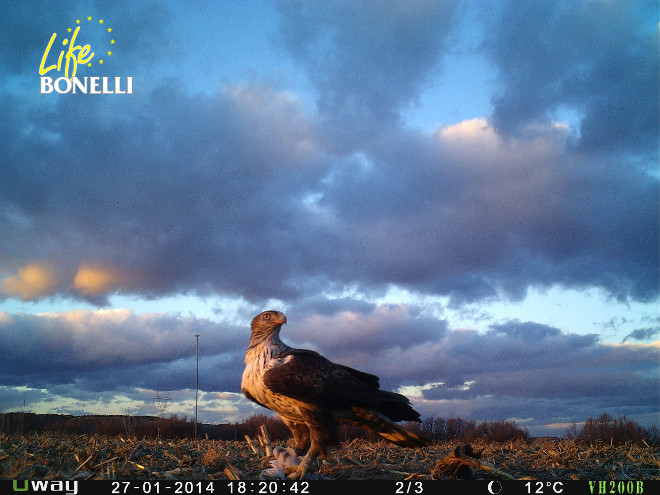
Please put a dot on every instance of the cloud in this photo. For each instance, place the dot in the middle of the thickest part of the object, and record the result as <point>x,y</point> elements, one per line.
<point>237,193</point>
<point>185,207</point>
<point>596,58</point>
<point>38,21</point>
<point>31,282</point>
<point>92,280</point>
<point>530,370</point>
<point>248,191</point>
<point>366,60</point>
<point>516,369</point>
<point>642,334</point>
<point>82,346</point>
<point>347,333</point>
<point>473,214</point>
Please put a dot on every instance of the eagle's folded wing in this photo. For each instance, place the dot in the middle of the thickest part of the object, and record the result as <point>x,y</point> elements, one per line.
<point>309,377</point>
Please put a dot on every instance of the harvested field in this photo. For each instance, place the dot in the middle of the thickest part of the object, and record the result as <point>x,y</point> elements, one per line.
<point>47,456</point>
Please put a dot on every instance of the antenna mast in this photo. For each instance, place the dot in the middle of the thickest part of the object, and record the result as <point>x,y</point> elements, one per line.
<point>196,385</point>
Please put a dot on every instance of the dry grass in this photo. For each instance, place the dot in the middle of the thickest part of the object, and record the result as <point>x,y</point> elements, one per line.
<point>47,456</point>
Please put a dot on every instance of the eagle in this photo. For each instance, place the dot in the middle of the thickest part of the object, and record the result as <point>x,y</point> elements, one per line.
<point>312,395</point>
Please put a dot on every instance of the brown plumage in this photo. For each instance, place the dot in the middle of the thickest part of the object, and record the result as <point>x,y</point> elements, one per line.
<point>312,394</point>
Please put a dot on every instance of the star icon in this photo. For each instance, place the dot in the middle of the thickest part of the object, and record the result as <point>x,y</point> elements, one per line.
<point>69,30</point>
<point>89,64</point>
<point>77,21</point>
<point>112,42</point>
<point>109,53</point>
<point>100,21</point>
<point>100,61</point>
<point>89,18</point>
<point>109,30</point>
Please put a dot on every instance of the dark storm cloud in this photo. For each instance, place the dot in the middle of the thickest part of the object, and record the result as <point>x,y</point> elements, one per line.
<point>110,349</point>
<point>345,329</point>
<point>217,194</point>
<point>25,29</point>
<point>516,369</point>
<point>471,215</point>
<point>142,31</point>
<point>164,189</point>
<point>244,191</point>
<point>365,59</point>
<point>560,366</point>
<point>598,59</point>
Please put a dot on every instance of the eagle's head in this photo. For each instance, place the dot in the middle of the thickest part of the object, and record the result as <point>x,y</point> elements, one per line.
<point>267,322</point>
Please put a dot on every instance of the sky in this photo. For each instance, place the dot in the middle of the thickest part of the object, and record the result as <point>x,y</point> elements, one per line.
<point>460,197</point>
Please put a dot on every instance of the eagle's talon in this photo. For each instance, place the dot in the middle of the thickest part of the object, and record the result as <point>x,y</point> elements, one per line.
<point>296,475</point>
<point>299,472</point>
<point>303,467</point>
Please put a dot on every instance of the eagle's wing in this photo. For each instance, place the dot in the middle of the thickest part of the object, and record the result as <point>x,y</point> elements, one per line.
<point>309,377</point>
<point>353,396</point>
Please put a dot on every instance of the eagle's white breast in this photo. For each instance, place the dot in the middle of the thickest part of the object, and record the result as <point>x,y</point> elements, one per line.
<point>258,361</point>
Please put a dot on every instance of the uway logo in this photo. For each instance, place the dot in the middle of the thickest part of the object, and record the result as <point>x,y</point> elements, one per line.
<point>66,487</point>
<point>73,56</point>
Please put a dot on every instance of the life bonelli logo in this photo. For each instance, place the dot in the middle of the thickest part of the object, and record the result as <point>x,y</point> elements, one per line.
<point>73,56</point>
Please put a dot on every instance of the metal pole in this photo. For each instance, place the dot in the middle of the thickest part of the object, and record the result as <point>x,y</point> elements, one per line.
<point>196,385</point>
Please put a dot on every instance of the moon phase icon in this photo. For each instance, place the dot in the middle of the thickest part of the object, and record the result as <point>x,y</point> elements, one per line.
<point>494,487</point>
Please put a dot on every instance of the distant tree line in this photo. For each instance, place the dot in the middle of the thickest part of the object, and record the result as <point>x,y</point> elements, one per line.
<point>436,429</point>
<point>607,429</point>
<point>440,429</point>
<point>604,428</point>
<point>132,426</point>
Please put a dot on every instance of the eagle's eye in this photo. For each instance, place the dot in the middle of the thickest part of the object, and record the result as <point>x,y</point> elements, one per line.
<point>266,317</point>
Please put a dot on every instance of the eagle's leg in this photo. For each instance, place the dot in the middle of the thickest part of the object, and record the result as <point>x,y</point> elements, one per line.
<point>322,435</point>
<point>300,433</point>
<point>311,456</point>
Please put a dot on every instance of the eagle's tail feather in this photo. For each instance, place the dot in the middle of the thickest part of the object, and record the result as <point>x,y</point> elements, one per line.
<point>383,426</point>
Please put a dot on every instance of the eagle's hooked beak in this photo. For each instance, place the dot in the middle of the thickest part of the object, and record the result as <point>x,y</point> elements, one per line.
<point>281,319</point>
